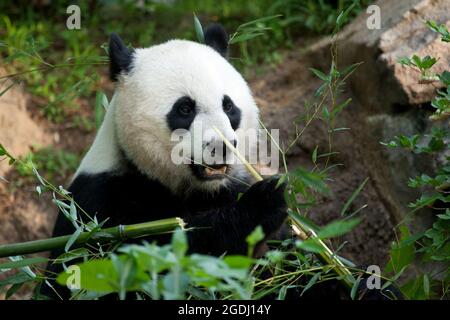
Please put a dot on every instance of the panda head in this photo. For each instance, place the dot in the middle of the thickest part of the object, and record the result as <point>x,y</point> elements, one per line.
<point>180,86</point>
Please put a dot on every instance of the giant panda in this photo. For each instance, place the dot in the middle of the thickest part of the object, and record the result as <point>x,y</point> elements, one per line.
<point>128,177</point>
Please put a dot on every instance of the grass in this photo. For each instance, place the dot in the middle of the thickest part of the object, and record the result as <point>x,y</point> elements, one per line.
<point>51,162</point>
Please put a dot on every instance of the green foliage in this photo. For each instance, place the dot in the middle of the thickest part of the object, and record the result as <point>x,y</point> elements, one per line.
<point>166,272</point>
<point>251,29</point>
<point>423,64</point>
<point>56,86</point>
<point>51,162</point>
<point>433,245</point>
<point>318,16</point>
<point>441,29</point>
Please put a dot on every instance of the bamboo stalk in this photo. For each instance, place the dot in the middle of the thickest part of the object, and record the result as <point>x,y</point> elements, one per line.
<point>301,230</point>
<point>120,232</point>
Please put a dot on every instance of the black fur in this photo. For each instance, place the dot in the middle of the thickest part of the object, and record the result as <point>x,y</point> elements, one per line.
<point>120,57</point>
<point>217,38</point>
<point>132,198</point>
<point>177,119</point>
<point>233,112</point>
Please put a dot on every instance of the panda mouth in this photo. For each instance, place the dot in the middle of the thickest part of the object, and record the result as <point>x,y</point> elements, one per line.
<point>210,171</point>
<point>216,170</point>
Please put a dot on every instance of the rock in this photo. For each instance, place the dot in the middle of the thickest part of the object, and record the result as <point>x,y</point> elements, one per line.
<point>402,34</point>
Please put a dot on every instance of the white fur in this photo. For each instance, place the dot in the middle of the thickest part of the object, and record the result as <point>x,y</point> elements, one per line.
<point>136,118</point>
<point>104,154</point>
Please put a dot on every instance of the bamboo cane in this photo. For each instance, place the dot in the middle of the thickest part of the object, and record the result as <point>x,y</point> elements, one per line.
<point>120,232</point>
<point>301,230</point>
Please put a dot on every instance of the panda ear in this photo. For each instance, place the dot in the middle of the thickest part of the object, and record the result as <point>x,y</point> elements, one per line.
<point>120,57</point>
<point>217,38</point>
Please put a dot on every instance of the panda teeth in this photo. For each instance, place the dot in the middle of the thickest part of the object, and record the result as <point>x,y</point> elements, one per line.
<point>212,171</point>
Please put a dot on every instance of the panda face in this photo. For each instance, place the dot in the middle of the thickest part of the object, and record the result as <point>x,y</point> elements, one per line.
<point>180,85</point>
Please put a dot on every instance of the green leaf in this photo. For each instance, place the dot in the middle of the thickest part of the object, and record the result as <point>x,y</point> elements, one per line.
<point>303,220</point>
<point>343,17</point>
<point>22,263</point>
<point>355,287</point>
<point>7,88</point>
<point>350,69</point>
<point>245,37</point>
<point>73,238</point>
<point>255,237</point>
<point>199,30</point>
<point>19,277</point>
<point>445,77</point>
<point>336,110</point>
<point>353,196</point>
<point>402,254</point>
<point>302,179</point>
<point>238,262</point>
<point>441,29</point>
<point>97,275</point>
<point>179,243</point>
<point>13,289</point>
<point>101,103</point>
<point>281,180</point>
<point>71,255</point>
<point>338,228</point>
<point>311,282</point>
<point>314,155</point>
<point>282,293</point>
<point>319,74</point>
<point>310,245</point>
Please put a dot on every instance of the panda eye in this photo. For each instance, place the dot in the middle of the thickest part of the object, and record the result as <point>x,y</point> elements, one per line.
<point>227,105</point>
<point>185,109</point>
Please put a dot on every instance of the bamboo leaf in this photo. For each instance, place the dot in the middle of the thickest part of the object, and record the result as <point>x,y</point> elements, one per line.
<point>245,37</point>
<point>72,239</point>
<point>355,288</point>
<point>338,228</point>
<point>353,196</point>
<point>260,20</point>
<point>311,282</point>
<point>319,74</point>
<point>22,263</point>
<point>13,290</point>
<point>19,277</point>
<point>199,30</point>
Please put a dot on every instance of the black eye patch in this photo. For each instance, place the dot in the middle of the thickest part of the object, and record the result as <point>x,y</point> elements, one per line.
<point>182,114</point>
<point>232,111</point>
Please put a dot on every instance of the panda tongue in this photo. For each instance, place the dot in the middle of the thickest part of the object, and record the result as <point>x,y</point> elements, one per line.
<point>215,171</point>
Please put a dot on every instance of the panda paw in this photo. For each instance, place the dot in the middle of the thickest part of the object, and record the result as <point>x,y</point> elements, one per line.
<point>264,202</point>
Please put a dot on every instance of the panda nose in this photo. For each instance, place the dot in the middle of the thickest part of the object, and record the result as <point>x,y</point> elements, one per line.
<point>225,150</point>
